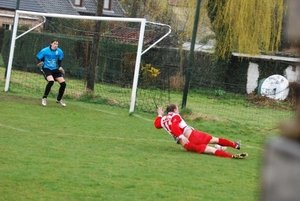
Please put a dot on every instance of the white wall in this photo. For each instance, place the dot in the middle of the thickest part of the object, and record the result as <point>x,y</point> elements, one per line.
<point>252,77</point>
<point>292,74</point>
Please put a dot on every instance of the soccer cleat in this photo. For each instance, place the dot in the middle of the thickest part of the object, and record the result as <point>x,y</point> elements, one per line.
<point>44,101</point>
<point>61,103</point>
<point>240,156</point>
<point>238,144</point>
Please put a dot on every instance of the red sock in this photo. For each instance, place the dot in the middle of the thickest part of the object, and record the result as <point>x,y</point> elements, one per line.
<point>223,154</point>
<point>226,143</point>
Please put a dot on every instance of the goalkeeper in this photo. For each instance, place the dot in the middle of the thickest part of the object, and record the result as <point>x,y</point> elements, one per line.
<point>49,60</point>
<point>191,139</point>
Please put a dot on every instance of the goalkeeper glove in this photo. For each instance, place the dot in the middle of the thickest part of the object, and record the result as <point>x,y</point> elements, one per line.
<point>61,70</point>
<point>40,64</point>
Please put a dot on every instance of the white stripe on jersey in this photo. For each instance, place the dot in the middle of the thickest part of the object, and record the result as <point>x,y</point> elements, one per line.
<point>166,123</point>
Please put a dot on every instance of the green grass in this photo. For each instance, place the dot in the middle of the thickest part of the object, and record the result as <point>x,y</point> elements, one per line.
<point>99,152</point>
<point>1,61</point>
<point>91,150</point>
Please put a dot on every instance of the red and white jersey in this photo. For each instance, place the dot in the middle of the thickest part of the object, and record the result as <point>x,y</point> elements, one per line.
<point>172,123</point>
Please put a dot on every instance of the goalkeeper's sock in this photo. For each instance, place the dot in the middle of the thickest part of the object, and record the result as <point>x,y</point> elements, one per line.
<point>48,88</point>
<point>223,154</point>
<point>61,90</point>
<point>226,143</point>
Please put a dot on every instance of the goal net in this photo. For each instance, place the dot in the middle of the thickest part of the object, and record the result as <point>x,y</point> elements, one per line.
<point>120,75</point>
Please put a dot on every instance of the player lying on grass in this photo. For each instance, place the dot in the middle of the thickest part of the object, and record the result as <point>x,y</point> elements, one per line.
<point>191,139</point>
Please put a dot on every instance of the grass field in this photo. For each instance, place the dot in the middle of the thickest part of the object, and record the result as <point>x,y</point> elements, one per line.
<point>99,152</point>
<point>89,151</point>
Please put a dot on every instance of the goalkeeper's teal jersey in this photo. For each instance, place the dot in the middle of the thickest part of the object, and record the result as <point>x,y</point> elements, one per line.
<point>50,57</point>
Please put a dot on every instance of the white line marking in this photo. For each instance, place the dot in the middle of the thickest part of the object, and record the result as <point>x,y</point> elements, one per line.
<point>105,112</point>
<point>252,147</point>
<point>13,128</point>
<point>100,110</point>
<point>136,115</point>
<point>107,137</point>
<point>82,136</point>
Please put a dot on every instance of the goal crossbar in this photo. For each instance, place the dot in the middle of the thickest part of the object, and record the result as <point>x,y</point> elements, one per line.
<point>142,21</point>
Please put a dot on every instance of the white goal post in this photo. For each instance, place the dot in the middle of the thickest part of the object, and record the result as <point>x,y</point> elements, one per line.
<point>140,51</point>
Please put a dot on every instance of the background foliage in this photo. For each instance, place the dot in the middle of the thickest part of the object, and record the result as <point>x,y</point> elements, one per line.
<point>76,52</point>
<point>117,62</point>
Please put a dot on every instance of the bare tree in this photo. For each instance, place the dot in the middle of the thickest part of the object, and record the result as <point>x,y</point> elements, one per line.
<point>91,69</point>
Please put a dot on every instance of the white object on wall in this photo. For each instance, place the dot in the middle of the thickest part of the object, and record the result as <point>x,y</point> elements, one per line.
<point>275,87</point>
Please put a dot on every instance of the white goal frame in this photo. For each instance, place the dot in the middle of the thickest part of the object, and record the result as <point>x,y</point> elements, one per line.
<point>140,51</point>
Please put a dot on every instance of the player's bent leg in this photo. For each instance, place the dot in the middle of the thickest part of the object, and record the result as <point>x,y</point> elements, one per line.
<point>50,78</point>
<point>214,140</point>
<point>60,79</point>
<point>223,154</point>
<point>225,142</point>
<point>47,91</point>
<point>216,152</point>
<point>195,147</point>
<point>61,93</point>
<point>61,90</point>
<point>211,150</point>
<point>48,88</point>
<point>199,137</point>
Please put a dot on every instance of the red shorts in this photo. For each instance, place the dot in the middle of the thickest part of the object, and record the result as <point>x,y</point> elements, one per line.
<point>198,141</point>
<point>198,137</point>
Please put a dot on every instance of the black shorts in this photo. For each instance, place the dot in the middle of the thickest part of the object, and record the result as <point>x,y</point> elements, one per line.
<point>55,73</point>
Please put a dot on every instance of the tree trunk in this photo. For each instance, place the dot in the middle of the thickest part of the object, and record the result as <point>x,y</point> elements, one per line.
<point>91,70</point>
